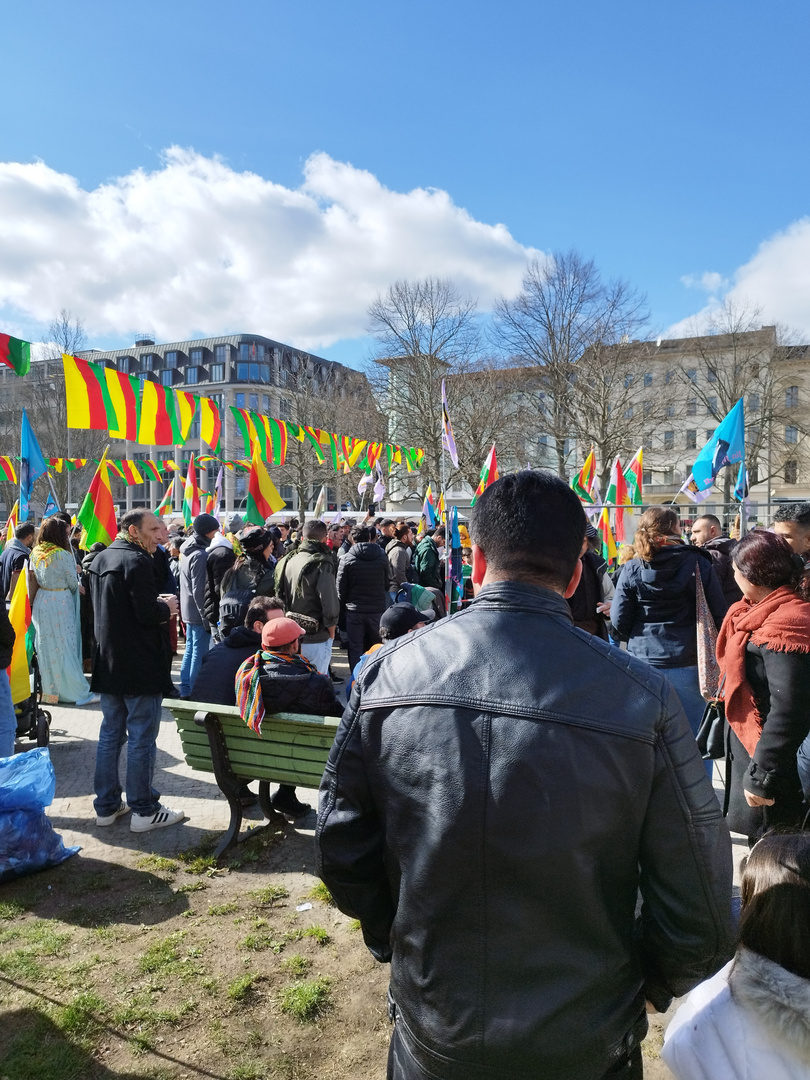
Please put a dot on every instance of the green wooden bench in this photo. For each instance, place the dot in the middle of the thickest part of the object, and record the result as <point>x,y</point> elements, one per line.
<point>292,749</point>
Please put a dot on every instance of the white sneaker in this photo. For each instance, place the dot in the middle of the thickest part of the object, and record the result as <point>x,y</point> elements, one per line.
<point>110,818</point>
<point>162,817</point>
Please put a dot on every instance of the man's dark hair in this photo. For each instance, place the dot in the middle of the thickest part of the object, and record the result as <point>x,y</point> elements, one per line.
<point>63,515</point>
<point>314,530</point>
<point>360,535</point>
<point>386,522</point>
<point>712,520</point>
<point>25,530</point>
<point>797,512</point>
<point>259,607</point>
<point>133,517</point>
<point>441,531</point>
<point>530,526</point>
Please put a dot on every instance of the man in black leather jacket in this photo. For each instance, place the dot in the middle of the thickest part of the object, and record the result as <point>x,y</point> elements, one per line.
<point>518,815</point>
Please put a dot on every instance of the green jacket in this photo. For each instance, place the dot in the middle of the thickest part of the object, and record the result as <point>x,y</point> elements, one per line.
<point>305,583</point>
<point>427,563</point>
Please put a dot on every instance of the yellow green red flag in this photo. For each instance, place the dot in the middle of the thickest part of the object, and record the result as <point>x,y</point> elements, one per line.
<point>20,617</point>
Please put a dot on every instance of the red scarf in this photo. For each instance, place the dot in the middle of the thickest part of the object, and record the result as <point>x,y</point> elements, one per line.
<point>780,622</point>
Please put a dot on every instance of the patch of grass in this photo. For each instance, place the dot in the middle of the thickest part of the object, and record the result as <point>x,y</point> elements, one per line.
<point>139,1010</point>
<point>296,965</point>
<point>161,956</point>
<point>43,938</point>
<point>21,964</point>
<point>318,933</point>
<point>270,895</point>
<point>37,1053</point>
<point>305,1000</point>
<point>193,886</point>
<point>81,1019</point>
<point>158,863</point>
<point>320,892</point>
<point>201,864</point>
<point>260,942</point>
<point>223,909</point>
<point>10,909</point>
<point>248,1070</point>
<point>242,989</point>
<point>74,976</point>
<point>355,924</point>
<point>141,1044</point>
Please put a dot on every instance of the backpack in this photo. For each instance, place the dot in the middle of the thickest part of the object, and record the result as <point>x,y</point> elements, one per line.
<point>233,608</point>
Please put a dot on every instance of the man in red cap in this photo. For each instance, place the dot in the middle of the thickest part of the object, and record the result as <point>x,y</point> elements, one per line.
<point>279,679</point>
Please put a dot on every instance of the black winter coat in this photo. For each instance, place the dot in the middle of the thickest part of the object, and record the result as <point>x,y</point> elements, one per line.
<point>363,579</point>
<point>654,611</point>
<point>128,656</point>
<point>220,559</point>
<point>721,549</point>
<point>216,680</point>
<point>500,789</point>
<point>7,637</point>
<point>292,687</point>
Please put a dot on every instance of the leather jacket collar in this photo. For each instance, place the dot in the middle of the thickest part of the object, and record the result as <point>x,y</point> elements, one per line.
<point>521,596</point>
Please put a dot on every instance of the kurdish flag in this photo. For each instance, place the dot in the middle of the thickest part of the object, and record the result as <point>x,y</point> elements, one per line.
<point>583,481</point>
<point>210,423</point>
<point>152,470</point>
<point>125,399</point>
<point>20,618</point>
<point>633,479</point>
<point>616,495</point>
<point>263,499</point>
<point>158,425</point>
<point>7,470</point>
<point>12,523</point>
<point>186,406</point>
<point>15,354</point>
<point>97,513</point>
<point>129,471</point>
<point>191,494</point>
<point>489,474</point>
<point>609,550</point>
<point>165,504</point>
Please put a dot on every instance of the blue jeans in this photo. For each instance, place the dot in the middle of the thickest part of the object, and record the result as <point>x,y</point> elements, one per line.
<point>136,720</point>
<point>8,720</point>
<point>687,686</point>
<point>319,654</point>
<point>198,642</point>
<point>803,764</point>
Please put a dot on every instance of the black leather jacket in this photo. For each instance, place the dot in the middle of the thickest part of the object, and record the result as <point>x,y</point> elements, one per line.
<point>501,789</point>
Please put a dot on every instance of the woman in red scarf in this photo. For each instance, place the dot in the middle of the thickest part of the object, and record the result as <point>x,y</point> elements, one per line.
<point>764,653</point>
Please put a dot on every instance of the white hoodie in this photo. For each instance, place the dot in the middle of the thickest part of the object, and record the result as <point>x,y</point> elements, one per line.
<point>750,1021</point>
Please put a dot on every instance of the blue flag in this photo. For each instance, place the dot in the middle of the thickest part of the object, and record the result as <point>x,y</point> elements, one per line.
<point>725,447</point>
<point>51,505</point>
<point>741,487</point>
<point>32,465</point>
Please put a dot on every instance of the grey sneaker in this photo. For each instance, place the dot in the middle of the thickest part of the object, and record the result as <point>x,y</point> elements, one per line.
<point>108,819</point>
<point>162,817</point>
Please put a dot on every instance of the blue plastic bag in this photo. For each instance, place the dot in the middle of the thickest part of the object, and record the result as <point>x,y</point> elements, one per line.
<point>28,841</point>
<point>27,781</point>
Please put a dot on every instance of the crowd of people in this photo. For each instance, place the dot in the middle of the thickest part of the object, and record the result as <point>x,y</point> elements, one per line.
<point>515,807</point>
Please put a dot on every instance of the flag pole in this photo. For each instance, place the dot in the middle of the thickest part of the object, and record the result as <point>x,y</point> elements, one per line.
<point>53,490</point>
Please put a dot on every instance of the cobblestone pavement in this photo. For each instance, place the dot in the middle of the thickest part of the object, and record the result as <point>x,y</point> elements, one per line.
<point>74,735</point>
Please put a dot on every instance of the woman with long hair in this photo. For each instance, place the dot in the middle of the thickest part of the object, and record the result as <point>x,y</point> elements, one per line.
<point>55,615</point>
<point>764,653</point>
<point>655,611</point>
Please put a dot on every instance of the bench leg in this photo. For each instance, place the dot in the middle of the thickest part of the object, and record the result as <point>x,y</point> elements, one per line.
<point>230,837</point>
<point>268,809</point>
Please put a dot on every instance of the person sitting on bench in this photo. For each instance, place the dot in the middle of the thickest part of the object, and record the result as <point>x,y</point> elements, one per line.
<point>279,679</point>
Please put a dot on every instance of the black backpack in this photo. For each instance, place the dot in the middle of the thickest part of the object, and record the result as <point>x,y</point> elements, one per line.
<point>233,608</point>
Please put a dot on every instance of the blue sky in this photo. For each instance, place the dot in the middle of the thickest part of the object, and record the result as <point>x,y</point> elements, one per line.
<point>666,141</point>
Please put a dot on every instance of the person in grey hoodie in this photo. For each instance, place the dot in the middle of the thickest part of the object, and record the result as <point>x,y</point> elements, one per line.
<point>193,558</point>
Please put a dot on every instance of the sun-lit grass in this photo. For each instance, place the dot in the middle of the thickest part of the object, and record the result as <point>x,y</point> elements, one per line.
<point>305,1000</point>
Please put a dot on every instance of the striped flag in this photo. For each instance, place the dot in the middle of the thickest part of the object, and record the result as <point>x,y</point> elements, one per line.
<point>215,498</point>
<point>97,513</point>
<point>7,470</point>
<point>263,499</point>
<point>428,509</point>
<point>20,618</point>
<point>583,481</point>
<point>210,423</point>
<point>448,441</point>
<point>11,524</point>
<point>191,494</point>
<point>159,425</point>
<point>489,474</point>
<point>634,478</point>
<point>125,400</point>
<point>609,550</point>
<point>165,505</point>
<point>15,354</point>
<point>87,395</point>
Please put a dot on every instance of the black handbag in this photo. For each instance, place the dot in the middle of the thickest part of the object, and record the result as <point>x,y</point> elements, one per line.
<point>711,735</point>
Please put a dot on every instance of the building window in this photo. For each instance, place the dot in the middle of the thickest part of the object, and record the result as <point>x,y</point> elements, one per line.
<point>711,406</point>
<point>143,376</point>
<point>792,398</point>
<point>648,408</point>
<point>711,375</point>
<point>628,413</point>
<point>628,381</point>
<point>222,353</point>
<point>284,409</point>
<point>251,351</point>
<point>240,401</point>
<point>166,377</point>
<point>791,472</point>
<point>753,403</point>
<point>192,376</point>
<point>691,407</point>
<point>217,373</point>
<point>669,440</point>
<point>218,400</point>
<point>753,474</point>
<point>670,375</point>
<point>670,410</point>
<point>648,378</point>
<point>669,475</point>
<point>266,402</point>
<point>791,434</point>
<point>196,356</point>
<point>146,362</point>
<point>691,439</point>
<point>171,359</point>
<point>646,476</point>
<point>286,492</point>
<point>710,432</point>
<point>691,375</point>
<point>752,435</point>
<point>241,485</point>
<point>254,401</point>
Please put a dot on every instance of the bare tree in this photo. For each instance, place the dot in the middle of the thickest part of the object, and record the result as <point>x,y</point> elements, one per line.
<point>572,326</point>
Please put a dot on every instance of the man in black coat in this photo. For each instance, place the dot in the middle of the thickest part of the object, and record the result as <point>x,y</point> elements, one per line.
<point>15,555</point>
<point>215,682</point>
<point>519,817</point>
<point>707,533</point>
<point>8,719</point>
<point>130,672</point>
<point>221,558</point>
<point>364,579</point>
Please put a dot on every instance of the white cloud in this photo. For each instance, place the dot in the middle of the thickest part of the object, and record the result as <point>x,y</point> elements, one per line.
<point>710,282</point>
<point>197,248</point>
<point>776,281</point>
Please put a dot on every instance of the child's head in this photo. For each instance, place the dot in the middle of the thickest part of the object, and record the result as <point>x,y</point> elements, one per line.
<point>775,917</point>
<point>792,522</point>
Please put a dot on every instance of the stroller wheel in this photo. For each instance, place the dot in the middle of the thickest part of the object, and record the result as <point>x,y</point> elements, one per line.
<point>43,728</point>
